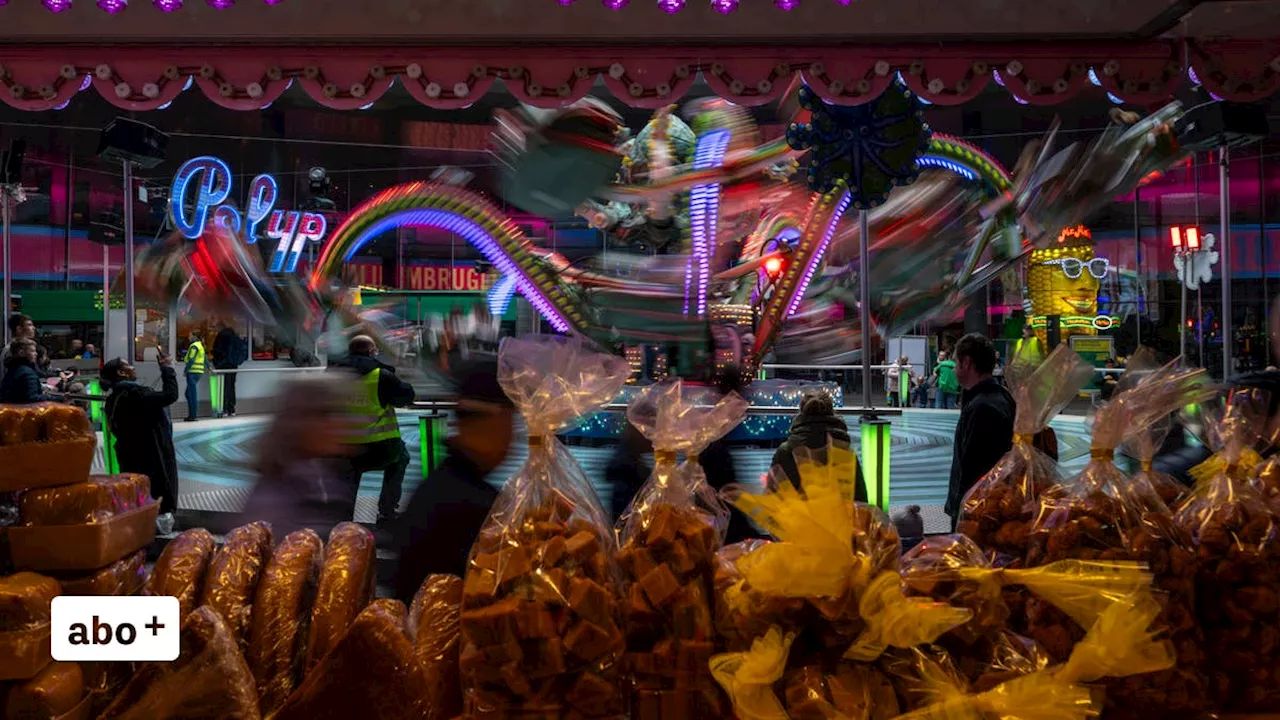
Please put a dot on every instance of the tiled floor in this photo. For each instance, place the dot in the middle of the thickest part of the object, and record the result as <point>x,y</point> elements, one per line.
<point>213,458</point>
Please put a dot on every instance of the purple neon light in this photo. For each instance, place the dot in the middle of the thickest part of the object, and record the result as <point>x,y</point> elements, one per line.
<point>671,6</point>
<point>704,213</point>
<point>167,5</point>
<point>112,7</point>
<point>221,4</point>
<point>615,4</point>
<point>480,239</point>
<point>724,6</point>
<point>816,260</point>
<point>57,6</point>
<point>786,4</point>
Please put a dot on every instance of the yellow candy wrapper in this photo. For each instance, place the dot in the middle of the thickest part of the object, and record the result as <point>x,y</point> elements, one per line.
<point>748,677</point>
<point>895,620</point>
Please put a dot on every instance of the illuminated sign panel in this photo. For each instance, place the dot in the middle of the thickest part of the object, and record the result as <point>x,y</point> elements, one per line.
<point>206,182</point>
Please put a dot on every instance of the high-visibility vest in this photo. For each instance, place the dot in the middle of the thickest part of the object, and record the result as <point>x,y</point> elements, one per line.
<point>194,358</point>
<point>372,421</point>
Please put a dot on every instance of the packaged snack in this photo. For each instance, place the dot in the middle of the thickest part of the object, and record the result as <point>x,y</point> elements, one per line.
<point>670,535</point>
<point>1234,532</point>
<point>347,581</point>
<point>208,681</point>
<point>541,632</point>
<point>43,445</point>
<point>930,570</point>
<point>123,577</point>
<point>370,672</point>
<point>1101,515</point>
<point>234,574</point>
<point>748,678</point>
<point>743,614</point>
<point>849,690</point>
<point>181,568</point>
<point>434,628</point>
<point>1118,644</point>
<point>83,547</point>
<point>56,691</point>
<point>98,500</point>
<point>25,606</point>
<point>998,510</point>
<point>281,615</point>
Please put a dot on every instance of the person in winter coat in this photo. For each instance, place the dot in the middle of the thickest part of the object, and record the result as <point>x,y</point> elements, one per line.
<point>21,384</point>
<point>628,469</point>
<point>816,427</point>
<point>717,463</point>
<point>985,431</point>
<point>229,352</point>
<point>139,419</point>
<point>448,510</point>
<point>300,463</point>
<point>375,434</point>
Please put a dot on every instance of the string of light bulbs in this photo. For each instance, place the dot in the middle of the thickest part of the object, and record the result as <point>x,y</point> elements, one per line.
<point>722,6</point>
<point>112,7</point>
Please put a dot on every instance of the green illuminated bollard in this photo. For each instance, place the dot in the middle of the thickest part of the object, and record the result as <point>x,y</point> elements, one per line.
<point>97,415</point>
<point>875,461</point>
<point>431,436</point>
<point>215,393</point>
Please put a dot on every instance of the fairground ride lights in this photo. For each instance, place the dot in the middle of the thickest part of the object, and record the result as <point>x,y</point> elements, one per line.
<point>209,178</point>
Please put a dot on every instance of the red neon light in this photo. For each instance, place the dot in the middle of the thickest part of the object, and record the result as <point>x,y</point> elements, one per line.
<point>773,266</point>
<point>1175,236</point>
<point>1193,238</point>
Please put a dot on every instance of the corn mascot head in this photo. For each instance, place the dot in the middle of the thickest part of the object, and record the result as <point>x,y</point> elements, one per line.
<point>1063,279</point>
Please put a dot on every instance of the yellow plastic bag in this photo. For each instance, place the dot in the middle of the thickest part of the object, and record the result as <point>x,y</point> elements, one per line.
<point>1083,589</point>
<point>1120,643</point>
<point>895,620</point>
<point>748,677</point>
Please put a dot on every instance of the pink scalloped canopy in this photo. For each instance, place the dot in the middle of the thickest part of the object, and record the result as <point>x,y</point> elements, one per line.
<point>350,78</point>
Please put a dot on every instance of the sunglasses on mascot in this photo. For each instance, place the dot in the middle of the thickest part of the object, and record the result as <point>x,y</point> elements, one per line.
<point>1074,267</point>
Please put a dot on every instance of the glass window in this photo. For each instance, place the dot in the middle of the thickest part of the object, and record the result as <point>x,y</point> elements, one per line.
<point>152,328</point>
<point>271,343</point>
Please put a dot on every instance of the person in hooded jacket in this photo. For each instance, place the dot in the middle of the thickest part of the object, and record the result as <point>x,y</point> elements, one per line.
<point>21,384</point>
<point>139,419</point>
<point>985,431</point>
<point>814,428</point>
<point>376,431</point>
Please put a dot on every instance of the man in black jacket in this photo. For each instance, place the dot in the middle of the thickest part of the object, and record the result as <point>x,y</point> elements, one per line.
<point>140,422</point>
<point>985,431</point>
<point>449,508</point>
<point>377,393</point>
<point>21,384</point>
<point>229,353</point>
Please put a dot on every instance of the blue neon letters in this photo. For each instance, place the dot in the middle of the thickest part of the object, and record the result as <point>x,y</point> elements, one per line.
<point>212,180</point>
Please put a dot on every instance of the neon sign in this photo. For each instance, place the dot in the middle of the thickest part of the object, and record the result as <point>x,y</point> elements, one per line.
<point>1098,322</point>
<point>209,179</point>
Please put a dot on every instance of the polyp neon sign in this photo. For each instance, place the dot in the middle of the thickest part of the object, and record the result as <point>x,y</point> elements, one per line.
<point>210,180</point>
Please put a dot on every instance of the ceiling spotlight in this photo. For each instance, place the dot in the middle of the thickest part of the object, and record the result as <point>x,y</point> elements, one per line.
<point>724,6</point>
<point>57,6</point>
<point>671,6</point>
<point>615,4</point>
<point>167,5</point>
<point>786,4</point>
<point>111,7</point>
<point>221,4</point>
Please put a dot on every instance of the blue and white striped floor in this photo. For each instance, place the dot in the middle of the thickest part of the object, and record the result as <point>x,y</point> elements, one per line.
<point>213,458</point>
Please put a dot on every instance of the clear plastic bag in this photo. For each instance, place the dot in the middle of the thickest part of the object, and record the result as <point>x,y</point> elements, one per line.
<point>1237,541</point>
<point>670,536</point>
<point>743,613</point>
<point>541,631</point>
<point>998,510</point>
<point>1102,515</point>
<point>433,626</point>
<point>848,690</point>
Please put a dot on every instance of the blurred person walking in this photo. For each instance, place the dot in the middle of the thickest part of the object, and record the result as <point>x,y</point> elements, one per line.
<point>985,431</point>
<point>21,384</point>
<point>628,469</point>
<point>448,509</point>
<point>230,351</point>
<point>717,462</point>
<point>139,419</point>
<point>193,368</point>
<point>375,435</point>
<point>300,464</point>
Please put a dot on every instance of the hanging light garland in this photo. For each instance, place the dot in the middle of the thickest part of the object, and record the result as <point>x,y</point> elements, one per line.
<point>111,7</point>
<point>674,6</point>
<point>57,6</point>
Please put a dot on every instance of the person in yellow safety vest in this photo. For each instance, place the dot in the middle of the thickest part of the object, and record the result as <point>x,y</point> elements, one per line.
<point>376,395</point>
<point>193,366</point>
<point>1029,348</point>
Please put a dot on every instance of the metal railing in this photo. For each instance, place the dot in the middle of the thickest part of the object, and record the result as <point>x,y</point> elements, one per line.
<point>436,406</point>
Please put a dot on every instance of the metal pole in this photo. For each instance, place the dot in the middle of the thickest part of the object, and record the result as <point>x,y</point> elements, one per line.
<point>1195,172</point>
<point>1224,231</point>
<point>131,326</point>
<point>1137,264</point>
<point>1182,327</point>
<point>106,295</point>
<point>5,197</point>
<point>66,227</point>
<point>1266,255</point>
<point>864,278</point>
